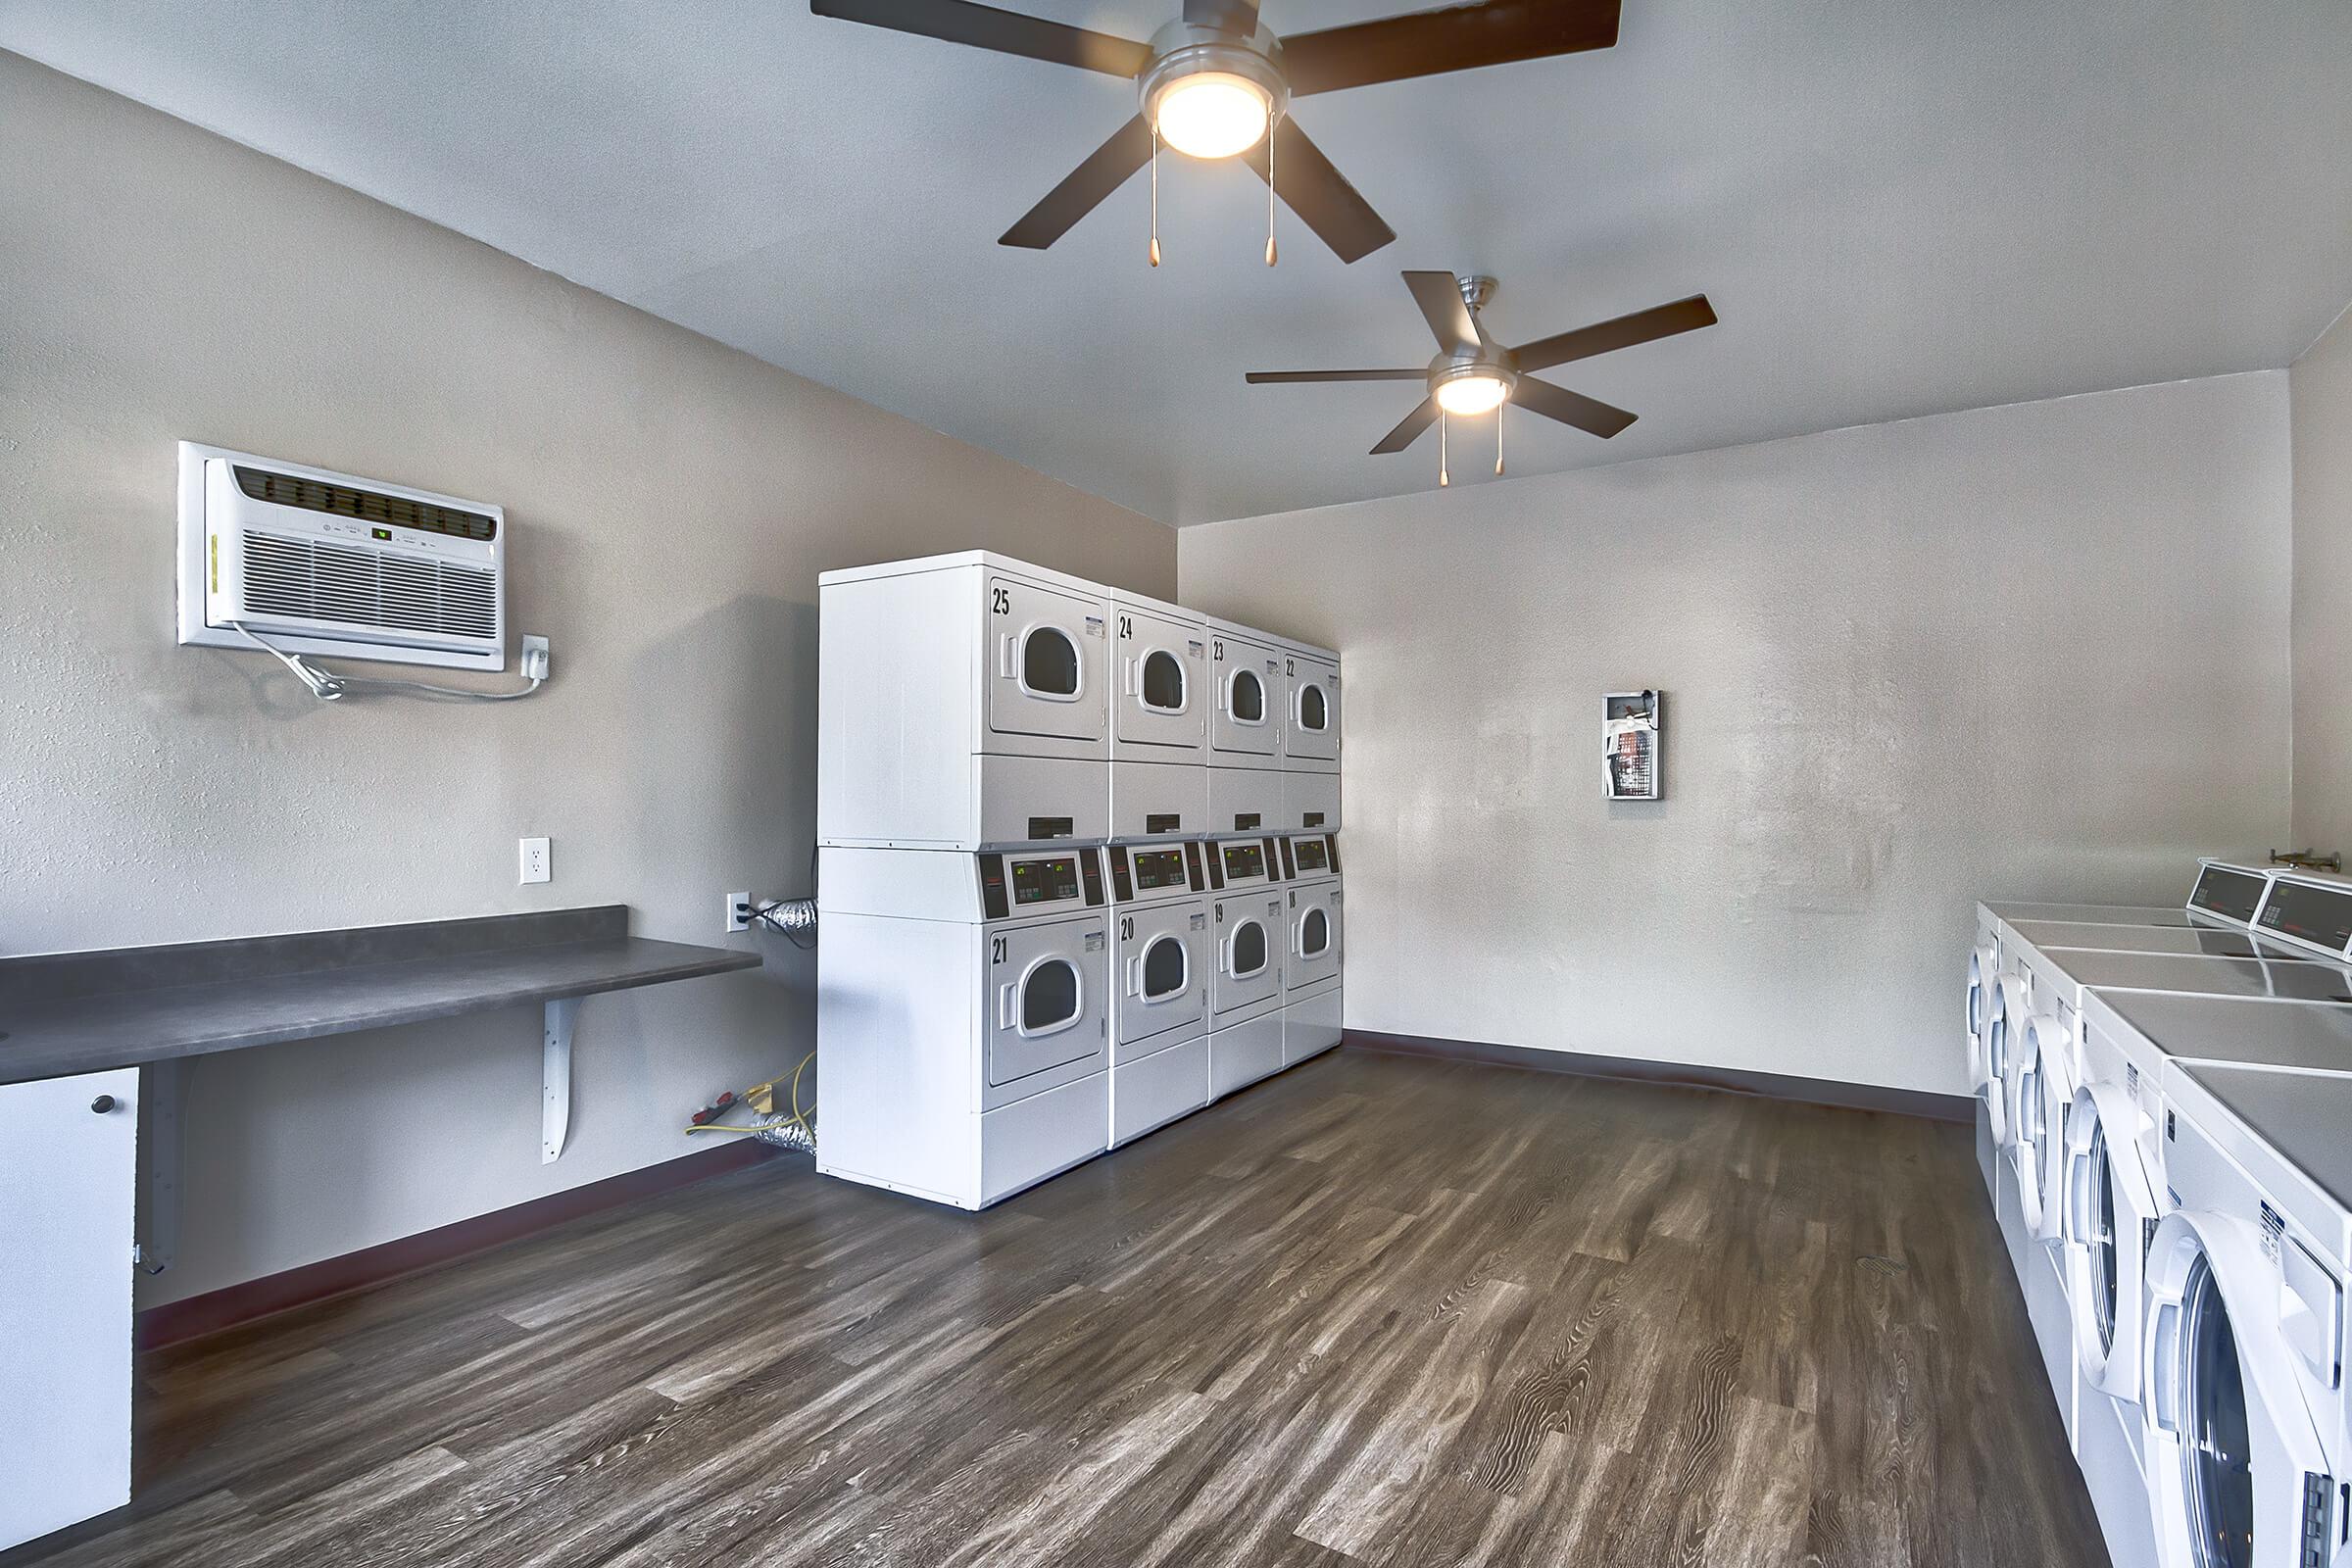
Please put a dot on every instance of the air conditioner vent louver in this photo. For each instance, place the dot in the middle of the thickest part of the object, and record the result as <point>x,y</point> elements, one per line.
<point>367,506</point>
<point>316,580</point>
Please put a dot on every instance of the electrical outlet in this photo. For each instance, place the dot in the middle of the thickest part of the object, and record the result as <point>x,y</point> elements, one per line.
<point>538,861</point>
<point>535,660</point>
<point>739,911</point>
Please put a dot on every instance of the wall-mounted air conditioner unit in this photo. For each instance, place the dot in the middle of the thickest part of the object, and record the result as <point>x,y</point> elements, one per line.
<point>321,562</point>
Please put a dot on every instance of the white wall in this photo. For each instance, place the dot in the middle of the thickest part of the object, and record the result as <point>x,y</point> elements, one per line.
<point>2027,652</point>
<point>672,502</point>
<point>2321,385</point>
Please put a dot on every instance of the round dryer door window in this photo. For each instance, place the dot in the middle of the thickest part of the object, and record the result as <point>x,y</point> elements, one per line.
<point>1050,997</point>
<point>1164,969</point>
<point>2098,1235</point>
<point>1163,681</point>
<point>1315,709</point>
<point>2218,1482</point>
<point>1249,697</point>
<point>1314,933</point>
<point>1049,663</point>
<point>1248,949</point>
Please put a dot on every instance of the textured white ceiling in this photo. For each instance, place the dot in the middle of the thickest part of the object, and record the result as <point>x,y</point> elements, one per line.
<point>1897,208</point>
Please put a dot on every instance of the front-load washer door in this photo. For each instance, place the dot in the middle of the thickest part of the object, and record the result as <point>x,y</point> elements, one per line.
<point>1984,978</point>
<point>2002,1039</point>
<point>1247,931</point>
<point>2236,1476</point>
<point>2041,1168</point>
<point>1313,920</point>
<point>1046,662</point>
<point>1162,696</point>
<point>1046,1005</point>
<point>1163,973</point>
<point>1313,731</point>
<point>2110,1205</point>
<point>1247,718</point>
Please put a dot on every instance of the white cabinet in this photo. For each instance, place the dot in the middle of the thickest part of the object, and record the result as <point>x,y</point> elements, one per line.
<point>69,1162</point>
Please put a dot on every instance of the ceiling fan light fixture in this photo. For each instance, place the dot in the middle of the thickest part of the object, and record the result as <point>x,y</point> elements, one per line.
<point>1469,395</point>
<point>1211,114</point>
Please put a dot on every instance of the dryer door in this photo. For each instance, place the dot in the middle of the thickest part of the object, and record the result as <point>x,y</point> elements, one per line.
<point>1163,973</point>
<point>2237,1476</point>
<point>1248,930</point>
<point>1161,698</point>
<point>1247,721</point>
<point>1046,662</point>
<point>1046,1002</point>
<point>1314,929</point>
<point>2110,1205</point>
<point>1313,730</point>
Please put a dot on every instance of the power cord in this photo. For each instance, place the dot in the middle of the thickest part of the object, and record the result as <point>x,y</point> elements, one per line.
<point>331,688</point>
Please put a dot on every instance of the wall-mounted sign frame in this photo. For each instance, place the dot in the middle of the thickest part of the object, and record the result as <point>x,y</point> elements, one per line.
<point>1632,724</point>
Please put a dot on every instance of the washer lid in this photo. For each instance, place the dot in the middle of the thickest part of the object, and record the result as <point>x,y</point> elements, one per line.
<point>2220,977</point>
<point>2316,1036</point>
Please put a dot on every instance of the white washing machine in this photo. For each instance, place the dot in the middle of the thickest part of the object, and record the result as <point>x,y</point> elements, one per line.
<point>1249,697</point>
<point>1245,907</point>
<point>2244,1343</point>
<point>1310,740</point>
<point>1161,959</point>
<point>1983,985</point>
<point>1159,705</point>
<point>2212,941</point>
<point>963,703</point>
<point>963,1018</point>
<point>1314,918</point>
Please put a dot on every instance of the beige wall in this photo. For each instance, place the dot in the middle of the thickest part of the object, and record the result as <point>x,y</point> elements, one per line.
<point>2027,652</point>
<point>672,502</point>
<point>2321,385</point>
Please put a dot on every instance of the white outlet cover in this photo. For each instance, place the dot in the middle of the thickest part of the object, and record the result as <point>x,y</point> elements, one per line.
<point>537,860</point>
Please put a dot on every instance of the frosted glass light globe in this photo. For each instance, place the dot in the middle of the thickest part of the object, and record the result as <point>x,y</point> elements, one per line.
<point>1472,395</point>
<point>1211,114</point>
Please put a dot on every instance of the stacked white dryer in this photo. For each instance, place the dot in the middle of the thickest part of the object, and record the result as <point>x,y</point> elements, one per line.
<point>1048,824</point>
<point>1314,919</point>
<point>963,787</point>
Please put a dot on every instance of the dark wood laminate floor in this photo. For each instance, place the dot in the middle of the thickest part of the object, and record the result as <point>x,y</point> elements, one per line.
<point>1377,1310</point>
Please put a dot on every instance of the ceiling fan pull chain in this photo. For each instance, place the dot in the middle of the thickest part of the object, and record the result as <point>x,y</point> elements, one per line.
<point>1269,195</point>
<point>1498,443</point>
<point>1444,478</point>
<point>1156,195</point>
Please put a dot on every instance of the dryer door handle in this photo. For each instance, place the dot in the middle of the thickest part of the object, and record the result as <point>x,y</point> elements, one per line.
<point>1135,977</point>
<point>1004,1004</point>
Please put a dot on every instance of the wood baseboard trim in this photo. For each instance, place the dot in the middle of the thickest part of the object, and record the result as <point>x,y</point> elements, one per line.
<point>1919,1103</point>
<point>191,1316</point>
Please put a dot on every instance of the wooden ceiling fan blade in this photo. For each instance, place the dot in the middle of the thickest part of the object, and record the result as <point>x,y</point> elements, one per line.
<point>1426,43</point>
<point>1440,296</point>
<point>1105,170</point>
<point>1603,337</point>
<point>1409,429</point>
<point>1282,377</point>
<point>1007,32</point>
<point>1311,186</point>
<point>1588,414</point>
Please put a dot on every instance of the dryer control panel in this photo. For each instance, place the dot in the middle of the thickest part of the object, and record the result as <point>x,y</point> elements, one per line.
<point>1037,883</point>
<point>1151,873</point>
<point>1312,855</point>
<point>1243,862</point>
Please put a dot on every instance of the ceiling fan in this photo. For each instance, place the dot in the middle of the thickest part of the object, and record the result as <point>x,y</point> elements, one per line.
<point>1216,83</point>
<point>1473,374</point>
